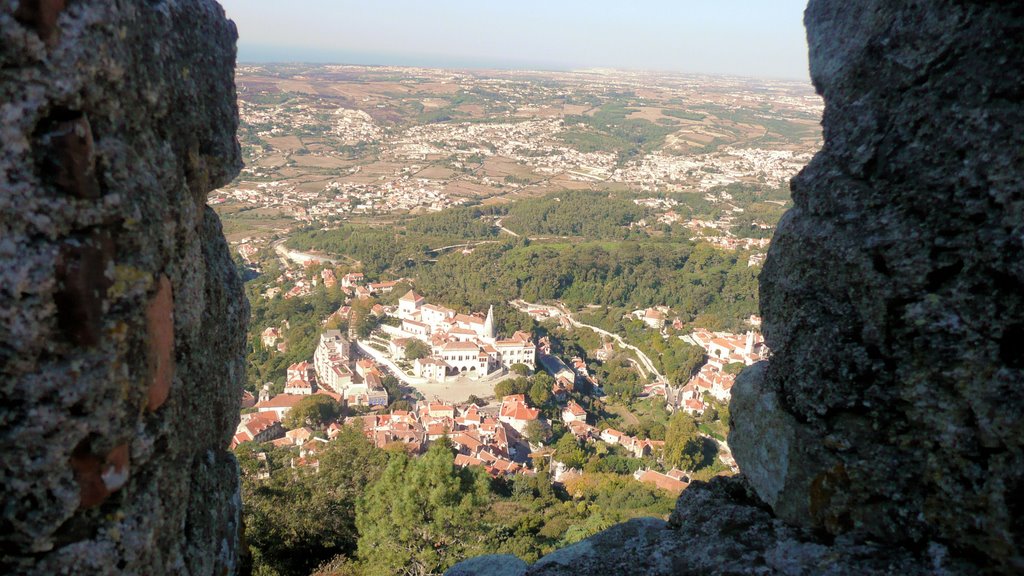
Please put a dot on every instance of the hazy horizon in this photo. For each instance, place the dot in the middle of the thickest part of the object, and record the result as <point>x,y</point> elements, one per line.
<point>745,38</point>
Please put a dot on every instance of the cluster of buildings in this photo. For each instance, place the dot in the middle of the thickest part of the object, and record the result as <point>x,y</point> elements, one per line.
<point>333,372</point>
<point>340,200</point>
<point>718,233</point>
<point>399,193</point>
<point>723,349</point>
<point>659,171</point>
<point>575,418</point>
<point>358,383</point>
<point>273,337</point>
<point>654,317</point>
<point>495,442</point>
<point>528,122</point>
<point>302,282</point>
<point>459,343</point>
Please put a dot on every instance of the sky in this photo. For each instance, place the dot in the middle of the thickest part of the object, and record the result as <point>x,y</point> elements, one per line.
<point>757,38</point>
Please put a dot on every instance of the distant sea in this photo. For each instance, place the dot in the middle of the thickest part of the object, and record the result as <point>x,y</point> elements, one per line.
<point>250,54</point>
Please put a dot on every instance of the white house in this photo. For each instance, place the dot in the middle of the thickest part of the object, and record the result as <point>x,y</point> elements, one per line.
<point>573,412</point>
<point>432,368</point>
<point>612,436</point>
<point>409,305</point>
<point>517,413</point>
<point>331,359</point>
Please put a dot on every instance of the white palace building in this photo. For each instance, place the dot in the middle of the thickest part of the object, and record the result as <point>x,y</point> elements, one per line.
<point>460,343</point>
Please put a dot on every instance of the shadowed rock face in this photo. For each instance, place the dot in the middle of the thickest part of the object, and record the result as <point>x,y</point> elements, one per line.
<point>886,434</point>
<point>893,295</point>
<point>121,314</point>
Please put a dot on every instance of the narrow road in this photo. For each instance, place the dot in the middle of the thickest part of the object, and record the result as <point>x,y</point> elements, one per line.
<point>503,229</point>
<point>286,254</point>
<point>464,245</point>
<point>647,363</point>
<point>622,343</point>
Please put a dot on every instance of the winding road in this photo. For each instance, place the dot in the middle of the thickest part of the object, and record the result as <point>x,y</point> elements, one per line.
<point>645,362</point>
<point>503,229</point>
<point>287,254</point>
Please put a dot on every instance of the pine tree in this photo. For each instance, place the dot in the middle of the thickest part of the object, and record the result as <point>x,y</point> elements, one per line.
<point>420,517</point>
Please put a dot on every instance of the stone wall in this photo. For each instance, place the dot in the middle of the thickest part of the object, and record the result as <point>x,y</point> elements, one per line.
<point>886,434</point>
<point>122,319</point>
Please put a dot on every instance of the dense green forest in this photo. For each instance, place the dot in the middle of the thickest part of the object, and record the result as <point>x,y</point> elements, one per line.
<point>592,215</point>
<point>696,281</point>
<point>699,282</point>
<point>461,223</point>
<point>377,249</point>
<point>592,256</point>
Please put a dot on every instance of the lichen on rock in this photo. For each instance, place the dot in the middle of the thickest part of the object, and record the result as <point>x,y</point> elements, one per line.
<point>122,315</point>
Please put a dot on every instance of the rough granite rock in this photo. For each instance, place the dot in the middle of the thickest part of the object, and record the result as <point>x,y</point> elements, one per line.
<point>718,528</point>
<point>122,315</point>
<point>886,433</point>
<point>491,564</point>
<point>893,293</point>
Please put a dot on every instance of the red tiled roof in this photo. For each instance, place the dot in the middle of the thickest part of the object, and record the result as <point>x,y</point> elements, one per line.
<point>468,319</point>
<point>575,409</point>
<point>259,422</point>
<point>613,433</point>
<point>411,296</point>
<point>334,396</point>
<point>468,441</point>
<point>461,346</point>
<point>281,401</point>
<point>662,481</point>
<point>461,460</point>
<point>515,407</point>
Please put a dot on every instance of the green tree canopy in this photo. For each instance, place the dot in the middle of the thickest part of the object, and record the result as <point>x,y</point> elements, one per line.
<point>683,445</point>
<point>540,390</point>
<point>520,369</point>
<point>416,348</point>
<point>568,452</point>
<point>315,411</point>
<point>296,522</point>
<point>537,432</point>
<point>734,368</point>
<point>511,386</point>
<point>420,517</point>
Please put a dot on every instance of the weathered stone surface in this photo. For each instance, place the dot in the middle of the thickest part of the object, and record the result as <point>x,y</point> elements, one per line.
<point>491,565</point>
<point>893,294</point>
<point>117,291</point>
<point>719,528</point>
